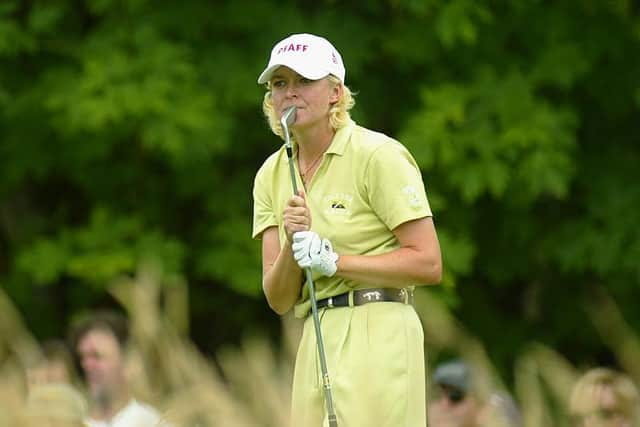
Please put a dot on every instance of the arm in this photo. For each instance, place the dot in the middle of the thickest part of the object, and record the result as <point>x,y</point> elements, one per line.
<point>416,261</point>
<point>282,278</point>
<point>281,275</point>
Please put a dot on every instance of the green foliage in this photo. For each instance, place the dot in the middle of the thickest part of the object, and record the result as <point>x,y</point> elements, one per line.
<point>103,250</point>
<point>493,136</point>
<point>457,22</point>
<point>13,38</point>
<point>133,129</point>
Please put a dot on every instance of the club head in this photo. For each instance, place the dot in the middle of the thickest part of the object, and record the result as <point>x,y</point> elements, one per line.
<point>288,118</point>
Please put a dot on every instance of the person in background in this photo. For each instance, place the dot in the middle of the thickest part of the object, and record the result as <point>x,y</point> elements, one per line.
<point>100,342</point>
<point>55,404</point>
<point>500,410</point>
<point>604,397</point>
<point>55,365</point>
<point>362,224</point>
<point>456,400</point>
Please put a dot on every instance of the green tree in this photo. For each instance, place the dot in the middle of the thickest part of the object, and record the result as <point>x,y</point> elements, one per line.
<point>132,129</point>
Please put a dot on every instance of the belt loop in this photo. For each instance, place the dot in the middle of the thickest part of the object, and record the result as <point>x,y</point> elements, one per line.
<point>330,302</point>
<point>407,295</point>
<point>351,304</point>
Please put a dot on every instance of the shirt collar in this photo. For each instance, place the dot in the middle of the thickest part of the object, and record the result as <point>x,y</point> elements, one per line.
<point>341,138</point>
<point>339,142</point>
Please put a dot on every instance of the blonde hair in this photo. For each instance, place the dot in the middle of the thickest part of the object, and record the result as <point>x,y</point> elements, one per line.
<point>584,394</point>
<point>339,115</point>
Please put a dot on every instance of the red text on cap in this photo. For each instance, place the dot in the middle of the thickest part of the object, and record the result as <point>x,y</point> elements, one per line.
<point>292,47</point>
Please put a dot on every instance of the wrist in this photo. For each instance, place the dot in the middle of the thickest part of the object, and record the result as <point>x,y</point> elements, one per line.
<point>335,264</point>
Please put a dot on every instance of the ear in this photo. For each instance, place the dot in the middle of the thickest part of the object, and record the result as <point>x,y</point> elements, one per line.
<point>336,93</point>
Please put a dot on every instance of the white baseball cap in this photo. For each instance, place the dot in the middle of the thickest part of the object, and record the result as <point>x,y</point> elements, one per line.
<point>310,56</point>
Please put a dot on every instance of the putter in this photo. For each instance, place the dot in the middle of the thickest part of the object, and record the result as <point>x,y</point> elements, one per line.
<point>289,118</point>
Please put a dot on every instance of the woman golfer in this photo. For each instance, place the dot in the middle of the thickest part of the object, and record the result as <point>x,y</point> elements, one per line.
<point>362,224</point>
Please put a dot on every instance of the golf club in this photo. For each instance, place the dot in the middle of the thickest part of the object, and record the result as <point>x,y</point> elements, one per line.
<point>287,119</point>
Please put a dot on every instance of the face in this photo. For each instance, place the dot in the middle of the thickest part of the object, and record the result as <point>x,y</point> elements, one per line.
<point>496,413</point>
<point>312,97</point>
<point>102,362</point>
<point>452,408</point>
<point>603,411</point>
<point>51,371</point>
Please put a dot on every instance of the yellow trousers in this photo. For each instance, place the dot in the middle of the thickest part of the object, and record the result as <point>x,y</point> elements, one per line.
<point>375,359</point>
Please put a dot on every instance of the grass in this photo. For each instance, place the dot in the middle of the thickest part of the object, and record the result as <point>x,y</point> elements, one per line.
<point>250,385</point>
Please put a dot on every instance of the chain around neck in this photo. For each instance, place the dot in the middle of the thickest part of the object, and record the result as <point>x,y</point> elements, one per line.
<point>303,174</point>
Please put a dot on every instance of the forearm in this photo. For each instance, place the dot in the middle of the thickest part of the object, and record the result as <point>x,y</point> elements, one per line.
<point>282,282</point>
<point>398,268</point>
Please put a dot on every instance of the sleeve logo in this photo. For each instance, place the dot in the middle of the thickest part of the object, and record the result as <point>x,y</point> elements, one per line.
<point>412,195</point>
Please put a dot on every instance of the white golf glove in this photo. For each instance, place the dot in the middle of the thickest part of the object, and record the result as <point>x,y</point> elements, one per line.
<point>310,251</point>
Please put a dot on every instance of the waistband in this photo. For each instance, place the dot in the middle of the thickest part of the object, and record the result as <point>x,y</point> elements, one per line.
<point>364,296</point>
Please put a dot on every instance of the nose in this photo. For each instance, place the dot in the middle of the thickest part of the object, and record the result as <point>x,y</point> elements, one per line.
<point>87,363</point>
<point>292,90</point>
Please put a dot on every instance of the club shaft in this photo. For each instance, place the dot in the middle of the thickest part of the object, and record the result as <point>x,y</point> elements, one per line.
<point>323,359</point>
<point>292,169</point>
<point>312,292</point>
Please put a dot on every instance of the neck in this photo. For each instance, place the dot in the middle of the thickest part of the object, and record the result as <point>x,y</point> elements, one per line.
<point>106,405</point>
<point>313,142</point>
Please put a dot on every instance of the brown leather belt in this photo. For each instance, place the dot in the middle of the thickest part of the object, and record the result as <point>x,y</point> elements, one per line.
<point>365,296</point>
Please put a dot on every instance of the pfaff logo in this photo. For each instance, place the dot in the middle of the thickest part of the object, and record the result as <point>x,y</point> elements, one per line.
<point>293,48</point>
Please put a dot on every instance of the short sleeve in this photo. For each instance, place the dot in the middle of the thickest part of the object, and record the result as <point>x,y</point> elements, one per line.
<point>394,183</point>
<point>263,211</point>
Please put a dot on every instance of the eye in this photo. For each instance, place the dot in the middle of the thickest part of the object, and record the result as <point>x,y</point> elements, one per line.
<point>278,83</point>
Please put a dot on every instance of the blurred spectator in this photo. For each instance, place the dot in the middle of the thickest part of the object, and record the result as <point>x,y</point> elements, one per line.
<point>499,410</point>
<point>453,403</point>
<point>100,342</point>
<point>55,405</point>
<point>457,402</point>
<point>54,366</point>
<point>605,397</point>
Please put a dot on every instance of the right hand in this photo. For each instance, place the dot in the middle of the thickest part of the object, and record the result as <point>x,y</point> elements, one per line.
<point>297,216</point>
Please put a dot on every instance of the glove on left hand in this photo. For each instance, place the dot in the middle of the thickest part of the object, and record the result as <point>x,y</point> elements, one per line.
<point>312,252</point>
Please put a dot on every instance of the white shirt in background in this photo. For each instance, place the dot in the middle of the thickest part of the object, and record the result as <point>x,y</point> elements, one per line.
<point>135,414</point>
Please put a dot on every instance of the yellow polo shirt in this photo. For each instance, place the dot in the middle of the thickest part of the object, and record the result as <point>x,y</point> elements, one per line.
<point>365,186</point>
